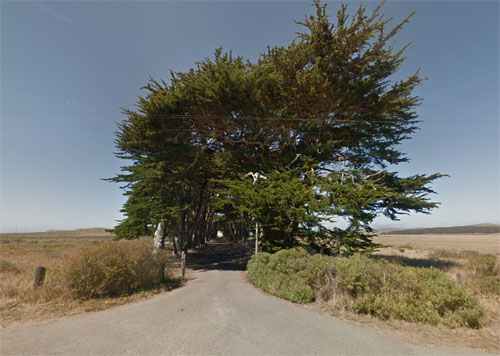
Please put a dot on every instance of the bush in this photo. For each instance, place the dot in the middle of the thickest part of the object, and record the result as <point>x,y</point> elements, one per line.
<point>6,266</point>
<point>484,265</point>
<point>289,274</point>
<point>405,247</point>
<point>485,284</point>
<point>114,269</point>
<point>485,274</point>
<point>377,287</point>
<point>388,290</point>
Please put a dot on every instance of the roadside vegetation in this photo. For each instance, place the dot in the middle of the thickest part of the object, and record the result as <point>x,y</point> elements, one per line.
<point>82,274</point>
<point>114,269</point>
<point>383,288</point>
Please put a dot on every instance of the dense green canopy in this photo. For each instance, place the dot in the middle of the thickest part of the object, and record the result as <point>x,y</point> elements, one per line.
<point>321,119</point>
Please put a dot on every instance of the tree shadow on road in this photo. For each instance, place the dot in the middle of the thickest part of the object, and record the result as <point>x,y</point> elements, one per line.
<point>219,255</point>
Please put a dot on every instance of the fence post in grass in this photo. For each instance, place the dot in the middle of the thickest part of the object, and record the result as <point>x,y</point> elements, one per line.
<point>161,273</point>
<point>183,263</point>
<point>459,278</point>
<point>39,277</point>
<point>256,237</point>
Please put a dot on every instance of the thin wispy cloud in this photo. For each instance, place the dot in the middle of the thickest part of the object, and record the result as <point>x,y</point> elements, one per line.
<point>55,13</point>
<point>81,106</point>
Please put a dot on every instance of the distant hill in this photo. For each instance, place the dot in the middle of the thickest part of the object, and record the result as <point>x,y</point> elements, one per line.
<point>87,230</point>
<point>468,229</point>
<point>77,233</point>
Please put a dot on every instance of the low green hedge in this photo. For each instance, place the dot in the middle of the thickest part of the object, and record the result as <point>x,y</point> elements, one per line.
<point>363,285</point>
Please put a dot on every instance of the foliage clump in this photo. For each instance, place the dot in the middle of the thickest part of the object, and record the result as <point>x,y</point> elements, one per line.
<point>114,269</point>
<point>321,118</point>
<point>367,286</point>
<point>6,266</point>
<point>289,274</point>
<point>484,274</point>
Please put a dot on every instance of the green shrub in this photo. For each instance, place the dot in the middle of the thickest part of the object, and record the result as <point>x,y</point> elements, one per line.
<point>484,274</point>
<point>389,290</point>
<point>289,274</point>
<point>485,284</point>
<point>377,287</point>
<point>114,269</point>
<point>6,266</point>
<point>484,265</point>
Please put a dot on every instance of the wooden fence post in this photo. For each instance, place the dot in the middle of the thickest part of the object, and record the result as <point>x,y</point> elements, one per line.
<point>459,278</point>
<point>161,273</point>
<point>256,237</point>
<point>39,277</point>
<point>183,263</point>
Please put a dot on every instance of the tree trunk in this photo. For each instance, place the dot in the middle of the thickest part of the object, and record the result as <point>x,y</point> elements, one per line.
<point>159,238</point>
<point>182,242</point>
<point>174,244</point>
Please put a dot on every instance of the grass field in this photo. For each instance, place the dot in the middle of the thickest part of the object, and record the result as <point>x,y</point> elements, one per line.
<point>20,254</point>
<point>425,244</point>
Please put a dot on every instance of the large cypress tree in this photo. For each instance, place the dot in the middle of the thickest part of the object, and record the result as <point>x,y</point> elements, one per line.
<point>321,119</point>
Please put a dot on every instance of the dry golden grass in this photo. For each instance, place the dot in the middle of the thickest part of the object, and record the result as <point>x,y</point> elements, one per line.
<point>20,302</point>
<point>482,243</point>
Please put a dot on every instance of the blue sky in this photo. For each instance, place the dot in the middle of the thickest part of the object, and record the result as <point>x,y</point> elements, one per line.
<point>68,67</point>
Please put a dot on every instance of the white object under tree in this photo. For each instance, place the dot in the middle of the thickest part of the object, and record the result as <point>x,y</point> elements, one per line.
<point>159,238</point>
<point>256,177</point>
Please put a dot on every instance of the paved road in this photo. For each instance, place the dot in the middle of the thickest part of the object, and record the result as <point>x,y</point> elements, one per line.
<point>217,313</point>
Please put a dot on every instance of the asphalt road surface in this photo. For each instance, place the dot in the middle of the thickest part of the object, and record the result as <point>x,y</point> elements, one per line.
<point>216,313</point>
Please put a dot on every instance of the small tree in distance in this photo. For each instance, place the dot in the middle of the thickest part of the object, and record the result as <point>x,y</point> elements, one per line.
<point>320,118</point>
